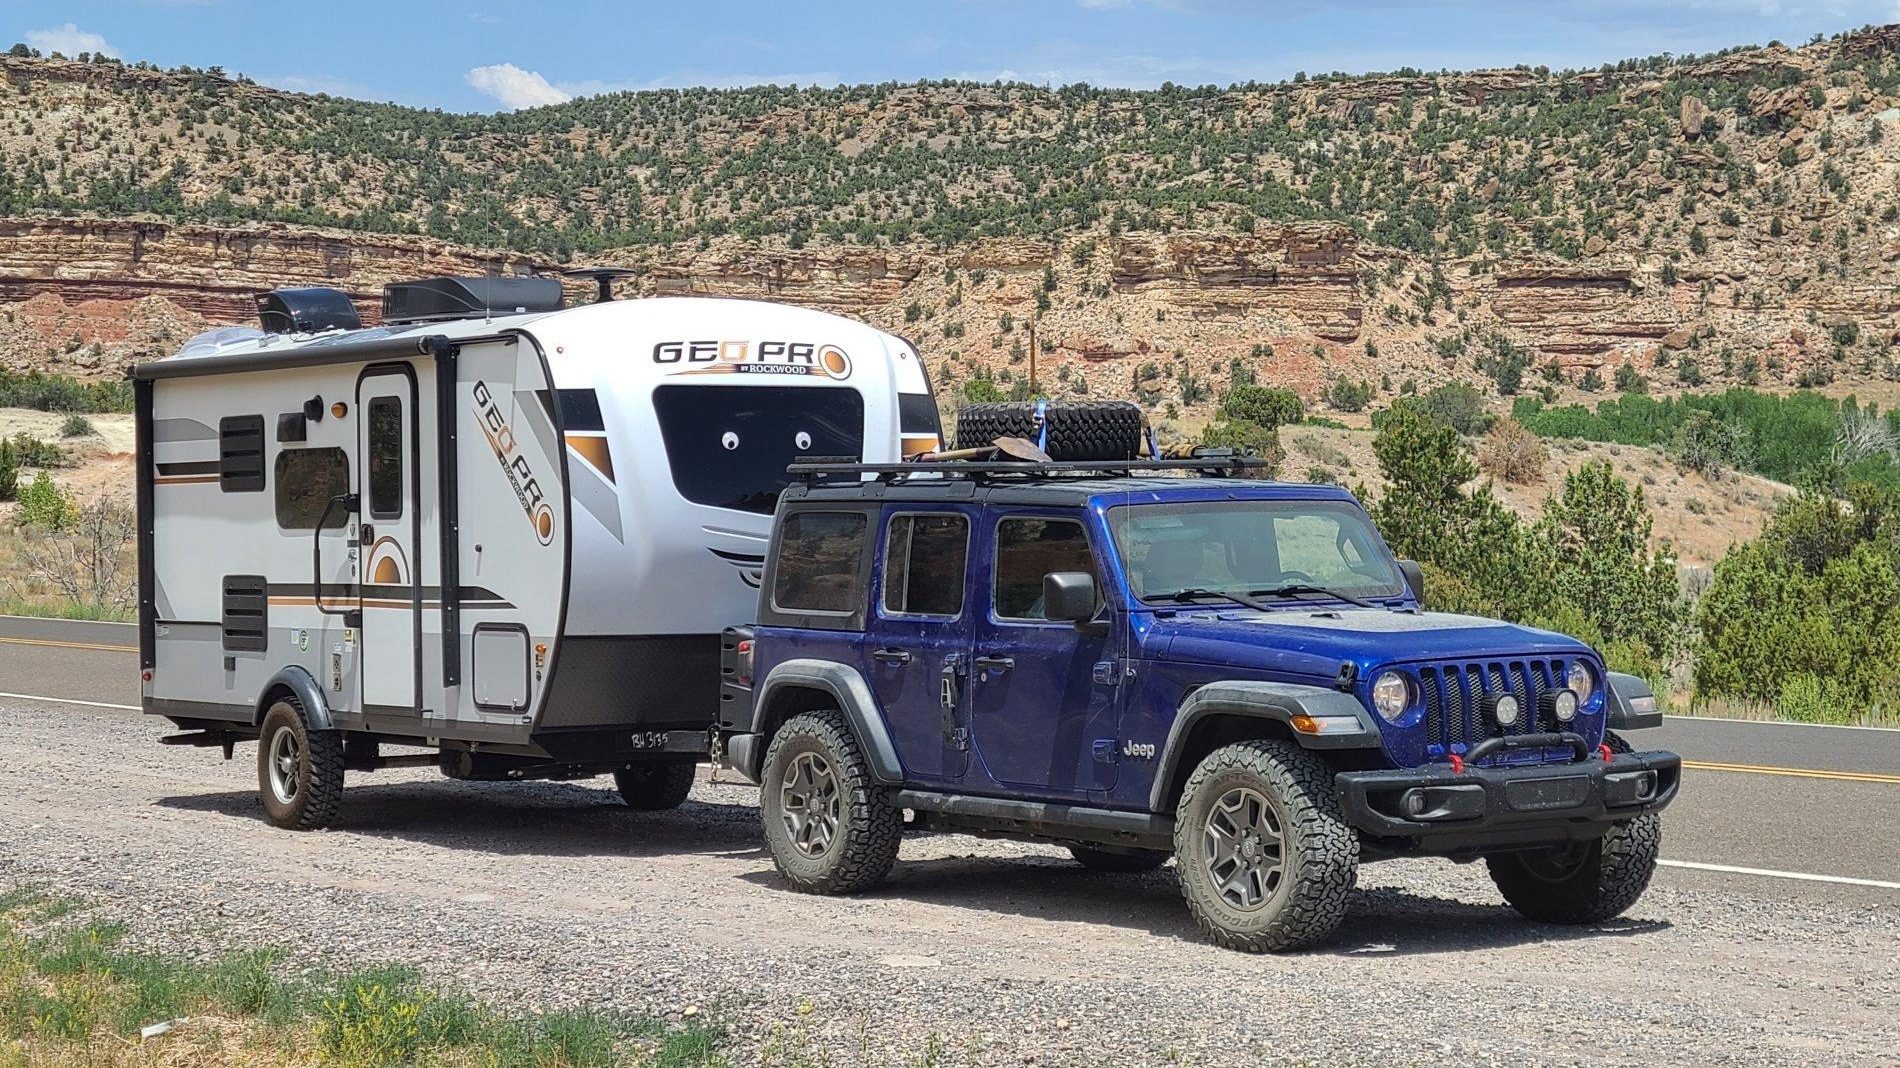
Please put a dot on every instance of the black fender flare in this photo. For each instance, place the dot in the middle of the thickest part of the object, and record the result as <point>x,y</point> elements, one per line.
<point>1278,702</point>
<point>316,710</point>
<point>1630,703</point>
<point>855,700</point>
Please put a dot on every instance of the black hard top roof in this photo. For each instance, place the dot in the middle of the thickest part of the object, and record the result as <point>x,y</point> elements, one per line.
<point>1062,492</point>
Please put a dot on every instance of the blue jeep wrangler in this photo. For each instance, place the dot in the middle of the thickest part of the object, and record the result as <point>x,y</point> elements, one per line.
<point>1147,658</point>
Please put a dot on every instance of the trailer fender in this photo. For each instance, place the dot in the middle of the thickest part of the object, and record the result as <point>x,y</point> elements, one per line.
<point>316,710</point>
<point>852,696</point>
<point>1277,702</point>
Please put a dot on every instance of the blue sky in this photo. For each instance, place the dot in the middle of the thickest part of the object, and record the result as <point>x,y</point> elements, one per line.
<point>484,55</point>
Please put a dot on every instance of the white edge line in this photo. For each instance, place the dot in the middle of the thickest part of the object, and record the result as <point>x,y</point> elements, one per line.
<point>1676,718</point>
<point>56,620</point>
<point>70,701</point>
<point>1773,874</point>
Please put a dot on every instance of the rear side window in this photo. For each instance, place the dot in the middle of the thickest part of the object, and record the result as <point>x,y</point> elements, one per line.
<point>1026,550</point>
<point>820,563</point>
<point>306,480</point>
<point>241,453</point>
<point>924,558</point>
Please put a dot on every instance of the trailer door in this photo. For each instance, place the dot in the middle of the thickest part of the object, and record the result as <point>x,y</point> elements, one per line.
<point>388,537</point>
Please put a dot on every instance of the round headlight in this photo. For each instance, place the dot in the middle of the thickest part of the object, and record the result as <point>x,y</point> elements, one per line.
<point>1581,681</point>
<point>1391,695</point>
<point>1505,709</point>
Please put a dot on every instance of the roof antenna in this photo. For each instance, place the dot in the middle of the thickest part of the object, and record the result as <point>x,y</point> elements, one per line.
<point>603,278</point>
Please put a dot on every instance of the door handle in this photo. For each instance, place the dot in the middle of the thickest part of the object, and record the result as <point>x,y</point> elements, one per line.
<point>995,663</point>
<point>891,656</point>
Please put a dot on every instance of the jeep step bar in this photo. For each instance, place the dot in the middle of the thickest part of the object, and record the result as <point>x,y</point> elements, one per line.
<point>1039,819</point>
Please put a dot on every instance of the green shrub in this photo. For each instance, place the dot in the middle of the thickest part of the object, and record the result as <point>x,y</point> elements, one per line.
<point>76,426</point>
<point>1348,395</point>
<point>1267,406</point>
<point>60,393</point>
<point>9,471</point>
<point>1818,595</point>
<point>30,451</point>
<point>45,505</point>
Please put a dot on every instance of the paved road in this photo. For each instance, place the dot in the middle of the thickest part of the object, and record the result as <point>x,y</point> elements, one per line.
<point>1818,801</point>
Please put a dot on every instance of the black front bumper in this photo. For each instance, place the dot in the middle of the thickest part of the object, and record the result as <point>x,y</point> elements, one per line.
<point>1439,809</point>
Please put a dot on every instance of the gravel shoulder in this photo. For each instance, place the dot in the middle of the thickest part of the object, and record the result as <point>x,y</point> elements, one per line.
<point>978,952</point>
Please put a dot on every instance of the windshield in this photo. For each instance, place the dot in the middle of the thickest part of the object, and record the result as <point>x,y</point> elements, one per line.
<point>1253,549</point>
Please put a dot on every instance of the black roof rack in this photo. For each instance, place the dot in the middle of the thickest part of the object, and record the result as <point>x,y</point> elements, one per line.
<point>820,468</point>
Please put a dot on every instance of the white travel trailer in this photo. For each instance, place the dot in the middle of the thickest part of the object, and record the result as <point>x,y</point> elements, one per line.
<point>511,538</point>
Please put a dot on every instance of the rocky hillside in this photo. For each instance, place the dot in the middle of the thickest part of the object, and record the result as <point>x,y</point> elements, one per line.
<point>1716,219</point>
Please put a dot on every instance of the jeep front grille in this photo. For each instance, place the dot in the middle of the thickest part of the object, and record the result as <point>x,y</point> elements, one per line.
<point>1452,693</point>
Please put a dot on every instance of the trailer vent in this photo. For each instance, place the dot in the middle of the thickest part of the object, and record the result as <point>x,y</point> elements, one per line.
<point>437,299</point>
<point>307,309</point>
<point>241,453</point>
<point>246,613</point>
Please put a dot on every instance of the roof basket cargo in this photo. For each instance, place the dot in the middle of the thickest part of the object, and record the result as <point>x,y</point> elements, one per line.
<point>307,310</point>
<point>427,300</point>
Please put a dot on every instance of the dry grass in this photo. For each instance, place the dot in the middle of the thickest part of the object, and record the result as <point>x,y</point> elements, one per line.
<point>72,994</point>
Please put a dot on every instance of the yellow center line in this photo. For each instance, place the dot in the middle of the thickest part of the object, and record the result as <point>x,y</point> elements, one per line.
<point>71,645</point>
<point>1799,773</point>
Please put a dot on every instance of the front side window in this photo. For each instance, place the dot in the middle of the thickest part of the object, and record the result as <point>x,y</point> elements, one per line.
<point>1026,550</point>
<point>306,480</point>
<point>924,558</point>
<point>385,458</point>
<point>729,446</point>
<point>820,563</point>
<point>1251,548</point>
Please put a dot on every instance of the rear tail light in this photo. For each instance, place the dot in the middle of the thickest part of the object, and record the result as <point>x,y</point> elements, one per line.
<point>744,657</point>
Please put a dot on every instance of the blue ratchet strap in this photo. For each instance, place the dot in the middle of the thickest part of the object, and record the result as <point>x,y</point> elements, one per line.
<point>1042,424</point>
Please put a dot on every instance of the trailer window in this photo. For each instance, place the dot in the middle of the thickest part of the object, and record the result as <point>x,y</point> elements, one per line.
<point>241,453</point>
<point>820,563</point>
<point>924,560</point>
<point>729,446</point>
<point>385,458</point>
<point>306,480</point>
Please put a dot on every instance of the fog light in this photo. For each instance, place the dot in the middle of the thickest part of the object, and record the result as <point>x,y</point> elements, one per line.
<point>1561,705</point>
<point>1504,708</point>
<point>1413,801</point>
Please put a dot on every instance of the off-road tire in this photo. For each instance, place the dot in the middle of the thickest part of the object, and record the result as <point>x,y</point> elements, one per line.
<point>864,844</point>
<point>1606,876</point>
<point>1119,861</point>
<point>656,786</point>
<point>1078,430</point>
<point>1319,851</point>
<point>316,775</point>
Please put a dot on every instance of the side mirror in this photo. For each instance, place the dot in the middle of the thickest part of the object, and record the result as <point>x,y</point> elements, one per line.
<point>1414,579</point>
<point>1068,596</point>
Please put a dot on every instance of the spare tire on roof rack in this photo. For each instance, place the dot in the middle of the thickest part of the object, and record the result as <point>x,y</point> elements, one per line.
<point>1066,430</point>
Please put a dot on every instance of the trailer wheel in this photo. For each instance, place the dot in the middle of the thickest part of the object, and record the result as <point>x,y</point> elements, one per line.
<point>1078,430</point>
<point>657,786</point>
<point>830,828</point>
<point>299,771</point>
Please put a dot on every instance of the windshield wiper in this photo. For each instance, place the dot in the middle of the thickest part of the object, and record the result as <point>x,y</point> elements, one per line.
<point>1193,592</point>
<point>1294,589</point>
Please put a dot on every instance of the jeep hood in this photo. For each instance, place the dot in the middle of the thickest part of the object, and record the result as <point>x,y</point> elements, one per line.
<point>1315,642</point>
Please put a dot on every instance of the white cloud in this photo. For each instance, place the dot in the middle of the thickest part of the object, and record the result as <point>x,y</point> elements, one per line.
<point>516,88</point>
<point>69,40</point>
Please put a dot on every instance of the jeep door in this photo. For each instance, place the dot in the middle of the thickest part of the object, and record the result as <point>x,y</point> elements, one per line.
<point>918,655</point>
<point>1043,723</point>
